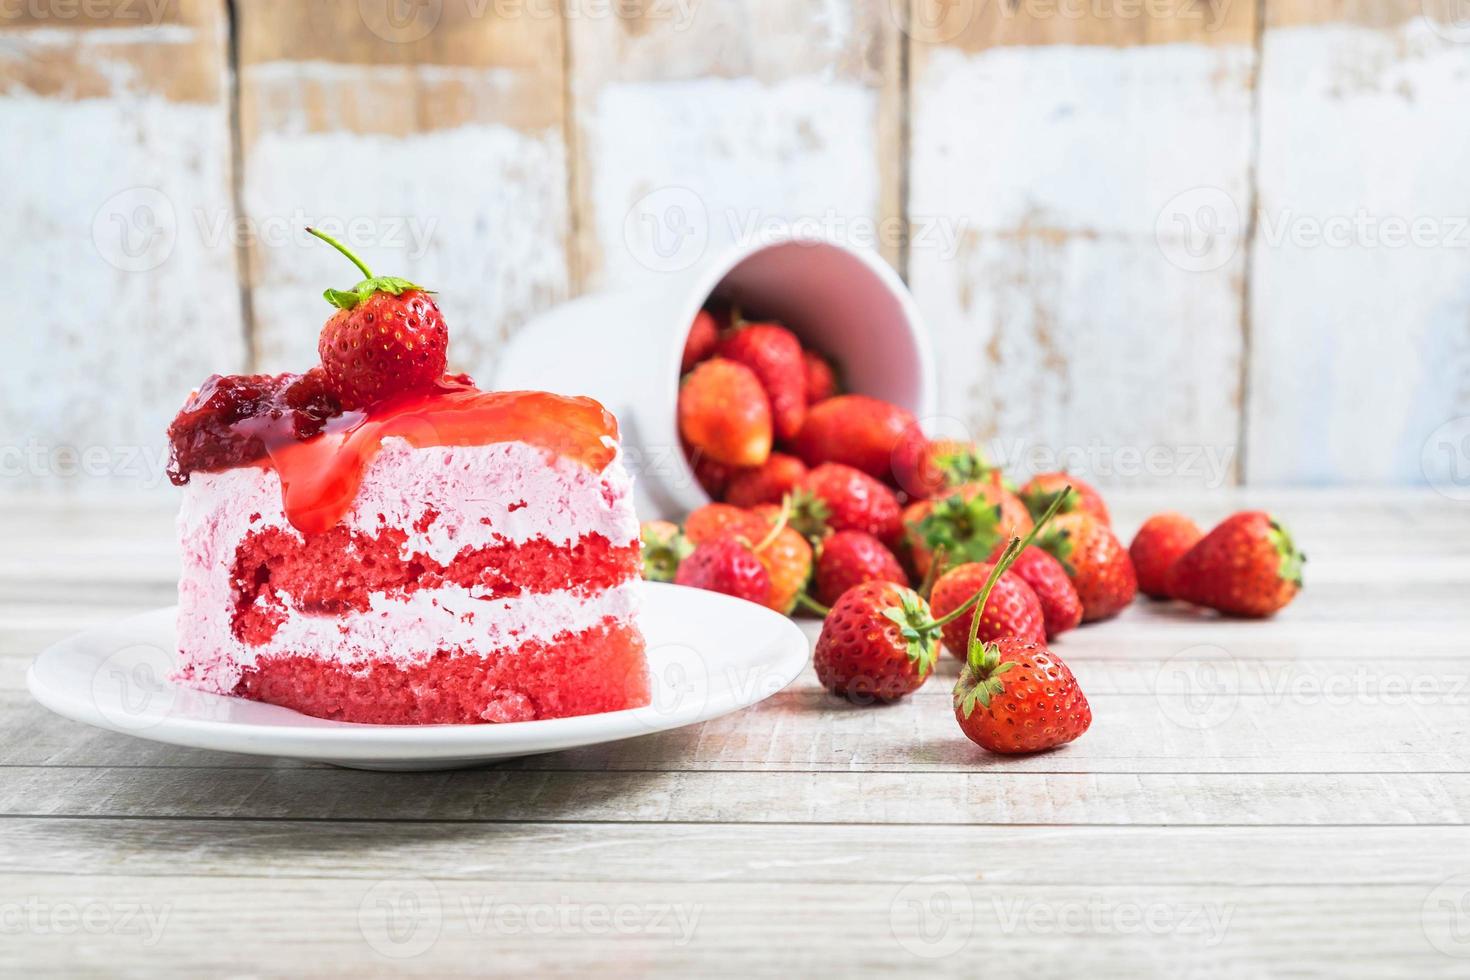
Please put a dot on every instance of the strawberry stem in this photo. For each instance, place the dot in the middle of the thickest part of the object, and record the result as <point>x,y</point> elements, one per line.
<point>802,599</point>
<point>366,272</point>
<point>1006,559</point>
<point>936,568</point>
<point>780,525</point>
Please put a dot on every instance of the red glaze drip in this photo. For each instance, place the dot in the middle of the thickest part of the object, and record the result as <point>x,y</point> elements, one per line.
<point>320,476</point>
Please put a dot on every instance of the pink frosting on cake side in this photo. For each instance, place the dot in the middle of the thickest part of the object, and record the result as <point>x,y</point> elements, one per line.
<point>479,496</point>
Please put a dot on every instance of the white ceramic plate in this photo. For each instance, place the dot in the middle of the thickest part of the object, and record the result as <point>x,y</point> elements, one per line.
<point>709,655</point>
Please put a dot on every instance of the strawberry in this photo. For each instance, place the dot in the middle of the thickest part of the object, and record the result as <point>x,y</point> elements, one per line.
<point>713,477</point>
<point>821,377</point>
<point>713,520</point>
<point>774,354</point>
<point>1061,607</point>
<point>787,558</point>
<point>1011,610</point>
<point>704,336</point>
<point>967,524</point>
<point>387,337</point>
<point>1039,490</point>
<point>925,468</point>
<point>850,558</point>
<point>726,565</point>
<point>851,500</point>
<point>855,430</point>
<point>1097,563</point>
<point>1162,540</point>
<point>1015,696</point>
<point>767,483</point>
<point>1247,566</point>
<point>664,547</point>
<point>724,413</point>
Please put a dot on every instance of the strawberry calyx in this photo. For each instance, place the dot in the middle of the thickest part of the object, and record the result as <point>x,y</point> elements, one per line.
<point>664,548</point>
<point>1037,501</point>
<point>1291,560</point>
<point>809,515</point>
<point>346,299</point>
<point>1059,544</point>
<point>961,466</point>
<point>917,627</point>
<point>980,680</point>
<point>967,530</point>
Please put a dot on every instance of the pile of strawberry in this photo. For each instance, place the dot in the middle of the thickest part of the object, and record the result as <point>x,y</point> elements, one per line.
<point>838,504</point>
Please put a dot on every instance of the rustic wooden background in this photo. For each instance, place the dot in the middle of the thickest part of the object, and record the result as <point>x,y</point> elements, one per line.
<point>1166,235</point>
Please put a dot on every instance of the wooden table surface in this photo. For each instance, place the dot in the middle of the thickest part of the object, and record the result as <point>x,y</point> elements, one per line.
<point>1286,798</point>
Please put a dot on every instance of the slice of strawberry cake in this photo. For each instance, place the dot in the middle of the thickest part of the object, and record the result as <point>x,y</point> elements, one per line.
<point>374,541</point>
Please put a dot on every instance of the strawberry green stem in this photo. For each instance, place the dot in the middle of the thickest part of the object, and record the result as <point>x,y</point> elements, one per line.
<point>936,568</point>
<point>366,272</point>
<point>1007,559</point>
<point>802,599</point>
<point>1013,550</point>
<point>779,526</point>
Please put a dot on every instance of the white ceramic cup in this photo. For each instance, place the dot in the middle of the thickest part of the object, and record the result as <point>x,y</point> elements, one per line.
<point>623,347</point>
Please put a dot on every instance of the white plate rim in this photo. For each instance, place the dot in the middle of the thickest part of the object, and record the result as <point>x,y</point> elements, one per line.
<point>318,739</point>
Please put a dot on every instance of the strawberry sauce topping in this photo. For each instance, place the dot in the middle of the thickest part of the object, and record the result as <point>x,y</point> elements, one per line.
<point>321,452</point>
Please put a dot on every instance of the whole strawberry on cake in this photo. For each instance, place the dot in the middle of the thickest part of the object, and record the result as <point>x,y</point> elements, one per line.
<point>378,541</point>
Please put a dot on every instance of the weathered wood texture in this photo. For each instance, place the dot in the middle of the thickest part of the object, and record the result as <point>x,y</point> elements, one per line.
<point>116,153</point>
<point>1361,275</point>
<point>1072,313</point>
<point>431,135</point>
<point>1254,799</point>
<point>1168,243</point>
<point>705,123</point>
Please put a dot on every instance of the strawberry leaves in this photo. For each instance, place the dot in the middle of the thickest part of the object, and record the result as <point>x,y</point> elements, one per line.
<point>1292,560</point>
<point>967,530</point>
<point>917,628</point>
<point>346,299</point>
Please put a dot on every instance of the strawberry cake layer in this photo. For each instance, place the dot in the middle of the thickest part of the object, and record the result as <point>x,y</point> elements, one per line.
<point>463,583</point>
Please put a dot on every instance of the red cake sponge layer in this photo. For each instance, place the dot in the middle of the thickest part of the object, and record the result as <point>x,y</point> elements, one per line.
<point>596,670</point>
<point>336,572</point>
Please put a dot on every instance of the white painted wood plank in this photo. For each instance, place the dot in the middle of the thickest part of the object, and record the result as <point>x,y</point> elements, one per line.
<point>765,114</point>
<point>735,853</point>
<point>998,796</point>
<point>190,926</point>
<point>434,142</point>
<point>1361,273</point>
<point>116,126</point>
<point>1062,144</point>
